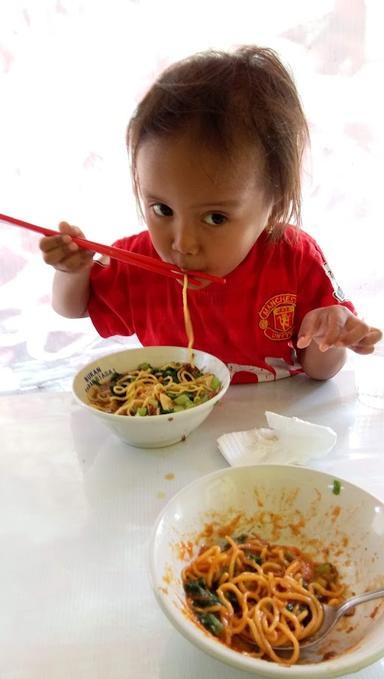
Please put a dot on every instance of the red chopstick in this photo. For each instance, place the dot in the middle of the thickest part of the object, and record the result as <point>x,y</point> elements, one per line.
<point>143,261</point>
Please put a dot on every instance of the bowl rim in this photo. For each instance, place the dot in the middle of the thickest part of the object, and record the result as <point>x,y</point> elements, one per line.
<point>252,467</point>
<point>333,667</point>
<point>154,418</point>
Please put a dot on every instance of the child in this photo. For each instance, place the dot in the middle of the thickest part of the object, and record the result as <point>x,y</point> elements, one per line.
<point>216,148</point>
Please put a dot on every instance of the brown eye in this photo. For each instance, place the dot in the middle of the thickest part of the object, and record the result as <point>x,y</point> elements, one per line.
<point>215,218</point>
<point>162,210</point>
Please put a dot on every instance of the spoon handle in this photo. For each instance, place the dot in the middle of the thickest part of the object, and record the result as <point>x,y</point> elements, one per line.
<point>359,599</point>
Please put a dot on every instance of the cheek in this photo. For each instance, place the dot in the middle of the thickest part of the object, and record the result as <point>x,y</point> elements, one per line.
<point>237,241</point>
<point>160,238</point>
<point>224,256</point>
<point>226,253</point>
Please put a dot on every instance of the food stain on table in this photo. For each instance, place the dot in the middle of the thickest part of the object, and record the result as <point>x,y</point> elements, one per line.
<point>169,476</point>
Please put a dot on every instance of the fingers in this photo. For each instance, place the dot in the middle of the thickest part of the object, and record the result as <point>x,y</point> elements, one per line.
<point>363,350</point>
<point>321,326</point>
<point>66,260</point>
<point>367,344</point>
<point>375,335</point>
<point>49,244</point>
<point>309,328</point>
<point>359,335</point>
<point>353,333</point>
<point>336,326</point>
<point>65,227</point>
<point>305,338</point>
<point>330,333</point>
<point>62,252</point>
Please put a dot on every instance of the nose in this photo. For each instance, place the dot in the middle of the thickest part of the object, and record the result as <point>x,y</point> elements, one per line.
<point>185,240</point>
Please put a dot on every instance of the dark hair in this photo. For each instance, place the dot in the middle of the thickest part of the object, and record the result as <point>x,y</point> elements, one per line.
<point>245,96</point>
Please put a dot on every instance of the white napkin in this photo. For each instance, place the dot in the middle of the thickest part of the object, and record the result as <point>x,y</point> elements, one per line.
<point>287,440</point>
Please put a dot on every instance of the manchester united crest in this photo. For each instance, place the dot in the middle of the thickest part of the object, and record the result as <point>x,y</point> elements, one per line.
<point>277,316</point>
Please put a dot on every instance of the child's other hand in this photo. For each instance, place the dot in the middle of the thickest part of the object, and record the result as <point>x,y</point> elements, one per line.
<point>336,326</point>
<point>63,253</point>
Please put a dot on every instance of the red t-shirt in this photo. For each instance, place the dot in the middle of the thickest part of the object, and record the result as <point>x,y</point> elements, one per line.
<point>251,323</point>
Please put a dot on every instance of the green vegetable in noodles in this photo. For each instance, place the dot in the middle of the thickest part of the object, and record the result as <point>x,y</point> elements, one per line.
<point>211,622</point>
<point>141,412</point>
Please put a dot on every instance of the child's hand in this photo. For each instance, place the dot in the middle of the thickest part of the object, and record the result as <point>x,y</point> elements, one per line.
<point>62,253</point>
<point>336,326</point>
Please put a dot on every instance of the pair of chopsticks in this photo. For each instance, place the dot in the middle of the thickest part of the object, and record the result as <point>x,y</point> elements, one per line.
<point>134,258</point>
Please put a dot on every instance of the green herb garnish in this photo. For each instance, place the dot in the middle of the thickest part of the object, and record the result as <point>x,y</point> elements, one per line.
<point>200,595</point>
<point>211,622</point>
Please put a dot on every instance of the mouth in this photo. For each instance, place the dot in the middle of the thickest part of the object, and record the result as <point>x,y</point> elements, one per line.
<point>192,270</point>
<point>188,268</point>
<point>202,282</point>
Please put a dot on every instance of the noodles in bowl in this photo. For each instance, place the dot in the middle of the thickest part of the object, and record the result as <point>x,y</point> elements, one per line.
<point>256,597</point>
<point>243,558</point>
<point>148,390</point>
<point>162,402</point>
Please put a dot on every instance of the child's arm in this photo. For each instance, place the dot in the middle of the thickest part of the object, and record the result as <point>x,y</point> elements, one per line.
<point>73,265</point>
<point>324,336</point>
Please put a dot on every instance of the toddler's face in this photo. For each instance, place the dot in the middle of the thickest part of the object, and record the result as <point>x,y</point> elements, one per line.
<point>204,213</point>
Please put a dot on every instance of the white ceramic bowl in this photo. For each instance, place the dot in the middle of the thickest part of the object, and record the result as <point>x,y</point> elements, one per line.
<point>155,431</point>
<point>291,505</point>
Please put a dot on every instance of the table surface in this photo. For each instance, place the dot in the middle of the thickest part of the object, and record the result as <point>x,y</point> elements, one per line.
<point>77,508</point>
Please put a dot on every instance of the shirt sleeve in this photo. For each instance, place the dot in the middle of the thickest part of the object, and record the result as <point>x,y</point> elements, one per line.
<point>317,286</point>
<point>109,305</point>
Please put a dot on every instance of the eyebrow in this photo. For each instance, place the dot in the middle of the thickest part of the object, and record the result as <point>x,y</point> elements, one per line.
<point>211,203</point>
<point>226,203</point>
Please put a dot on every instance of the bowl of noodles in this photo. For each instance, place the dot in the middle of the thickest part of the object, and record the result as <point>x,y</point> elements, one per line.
<point>152,397</point>
<point>242,560</point>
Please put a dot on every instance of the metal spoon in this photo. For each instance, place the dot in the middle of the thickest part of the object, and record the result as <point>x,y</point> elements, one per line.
<point>332,615</point>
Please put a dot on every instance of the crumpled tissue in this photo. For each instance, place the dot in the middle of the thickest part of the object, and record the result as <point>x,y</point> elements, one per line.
<point>287,440</point>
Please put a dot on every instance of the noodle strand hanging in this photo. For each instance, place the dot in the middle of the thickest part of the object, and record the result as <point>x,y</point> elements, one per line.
<point>187,319</point>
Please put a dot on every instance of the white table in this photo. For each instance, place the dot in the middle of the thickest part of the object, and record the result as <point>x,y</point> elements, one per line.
<point>76,511</point>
